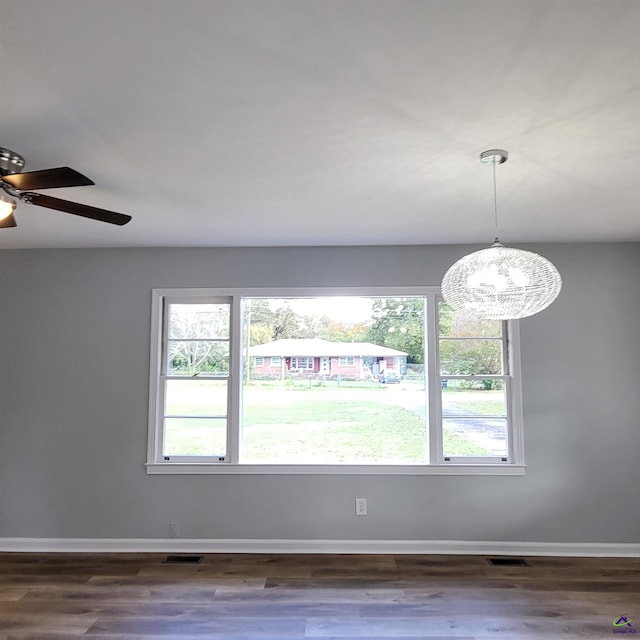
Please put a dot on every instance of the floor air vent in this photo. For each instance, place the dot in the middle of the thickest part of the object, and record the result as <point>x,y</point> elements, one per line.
<point>182,559</point>
<point>508,562</point>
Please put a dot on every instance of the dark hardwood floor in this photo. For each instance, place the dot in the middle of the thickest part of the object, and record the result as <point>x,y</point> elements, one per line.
<point>323,597</point>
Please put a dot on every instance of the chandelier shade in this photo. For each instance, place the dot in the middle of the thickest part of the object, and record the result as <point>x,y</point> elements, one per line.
<point>501,283</point>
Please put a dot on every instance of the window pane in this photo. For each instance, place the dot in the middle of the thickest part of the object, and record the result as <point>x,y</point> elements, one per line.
<point>325,405</point>
<point>471,357</point>
<point>196,398</point>
<point>453,326</point>
<point>468,437</point>
<point>323,423</point>
<point>200,321</point>
<point>483,397</point>
<point>474,411</point>
<point>205,357</point>
<point>195,437</point>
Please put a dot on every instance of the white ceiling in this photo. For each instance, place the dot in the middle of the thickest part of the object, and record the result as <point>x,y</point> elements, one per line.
<point>326,122</point>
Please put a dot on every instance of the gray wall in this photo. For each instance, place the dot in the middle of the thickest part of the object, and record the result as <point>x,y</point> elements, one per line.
<point>74,339</point>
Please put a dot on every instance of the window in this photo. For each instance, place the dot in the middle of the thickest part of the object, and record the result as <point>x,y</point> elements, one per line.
<point>452,404</point>
<point>304,362</point>
<point>473,363</point>
<point>193,385</point>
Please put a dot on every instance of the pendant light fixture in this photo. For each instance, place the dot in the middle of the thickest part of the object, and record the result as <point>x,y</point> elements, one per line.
<point>500,283</point>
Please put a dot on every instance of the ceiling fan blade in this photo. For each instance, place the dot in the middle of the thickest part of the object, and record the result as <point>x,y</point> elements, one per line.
<point>47,179</point>
<point>75,208</point>
<point>8,222</point>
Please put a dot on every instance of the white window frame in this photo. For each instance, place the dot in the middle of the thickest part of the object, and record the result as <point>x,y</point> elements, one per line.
<point>258,361</point>
<point>514,443</point>
<point>159,366</point>
<point>347,361</point>
<point>156,464</point>
<point>276,361</point>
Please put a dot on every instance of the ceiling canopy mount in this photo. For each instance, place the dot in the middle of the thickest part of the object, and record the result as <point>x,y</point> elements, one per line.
<point>494,156</point>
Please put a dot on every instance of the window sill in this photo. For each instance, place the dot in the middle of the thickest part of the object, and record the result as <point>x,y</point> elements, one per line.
<point>203,468</point>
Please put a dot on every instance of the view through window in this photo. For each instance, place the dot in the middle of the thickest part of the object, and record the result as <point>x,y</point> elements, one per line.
<point>334,381</point>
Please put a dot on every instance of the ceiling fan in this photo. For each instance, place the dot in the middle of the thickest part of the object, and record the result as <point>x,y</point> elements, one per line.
<point>19,185</point>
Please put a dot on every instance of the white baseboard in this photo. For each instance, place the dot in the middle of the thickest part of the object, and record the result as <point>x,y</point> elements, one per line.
<point>444,547</point>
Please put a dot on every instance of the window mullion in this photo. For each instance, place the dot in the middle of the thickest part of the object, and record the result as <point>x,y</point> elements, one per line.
<point>234,410</point>
<point>514,393</point>
<point>156,383</point>
<point>433,397</point>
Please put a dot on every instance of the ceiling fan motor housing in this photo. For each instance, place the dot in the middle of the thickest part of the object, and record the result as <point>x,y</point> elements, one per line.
<point>10,162</point>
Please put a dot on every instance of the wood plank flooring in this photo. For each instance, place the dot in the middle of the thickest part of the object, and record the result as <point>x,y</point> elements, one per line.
<point>319,597</point>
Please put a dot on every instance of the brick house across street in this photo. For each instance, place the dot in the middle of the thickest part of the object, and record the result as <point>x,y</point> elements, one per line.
<point>314,356</point>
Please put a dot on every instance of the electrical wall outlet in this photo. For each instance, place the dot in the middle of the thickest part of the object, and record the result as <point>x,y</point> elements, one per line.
<point>174,529</point>
<point>361,506</point>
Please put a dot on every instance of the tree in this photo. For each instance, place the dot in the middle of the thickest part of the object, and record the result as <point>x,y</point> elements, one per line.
<point>287,324</point>
<point>398,323</point>
<point>197,338</point>
<point>267,323</point>
<point>259,321</point>
<point>478,353</point>
<point>343,331</point>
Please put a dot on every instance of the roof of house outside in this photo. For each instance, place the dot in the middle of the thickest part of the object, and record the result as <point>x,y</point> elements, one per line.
<point>318,348</point>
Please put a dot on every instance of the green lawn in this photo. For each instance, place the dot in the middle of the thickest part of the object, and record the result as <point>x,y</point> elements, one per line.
<point>324,425</point>
<point>339,432</point>
<point>485,403</point>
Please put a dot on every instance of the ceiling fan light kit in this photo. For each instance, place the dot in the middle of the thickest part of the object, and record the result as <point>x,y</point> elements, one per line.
<point>500,283</point>
<point>7,207</point>
<point>18,185</point>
